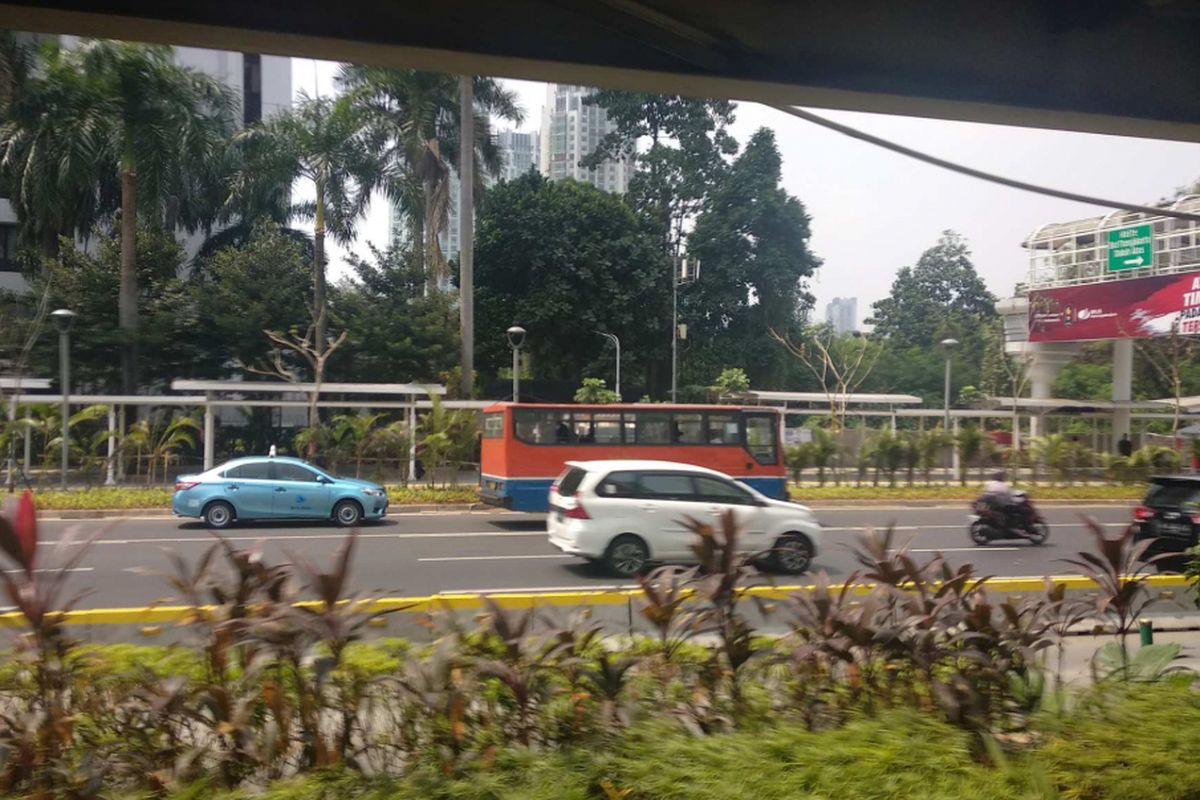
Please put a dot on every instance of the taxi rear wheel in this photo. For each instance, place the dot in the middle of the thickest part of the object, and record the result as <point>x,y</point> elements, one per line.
<point>218,515</point>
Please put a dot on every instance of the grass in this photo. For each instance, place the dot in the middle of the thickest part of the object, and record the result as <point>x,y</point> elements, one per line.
<point>811,494</point>
<point>1119,745</point>
<point>126,497</point>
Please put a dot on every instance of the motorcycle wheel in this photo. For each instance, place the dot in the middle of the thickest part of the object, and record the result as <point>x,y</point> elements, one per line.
<point>1038,533</point>
<point>979,534</point>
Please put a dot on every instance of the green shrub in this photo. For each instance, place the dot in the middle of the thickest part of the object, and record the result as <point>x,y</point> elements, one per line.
<point>123,498</point>
<point>815,494</point>
<point>1128,744</point>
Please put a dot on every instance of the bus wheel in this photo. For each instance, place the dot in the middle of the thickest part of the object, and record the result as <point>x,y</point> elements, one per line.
<point>627,555</point>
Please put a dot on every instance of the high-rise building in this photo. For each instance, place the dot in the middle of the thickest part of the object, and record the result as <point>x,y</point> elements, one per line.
<point>519,152</point>
<point>842,314</point>
<point>571,130</point>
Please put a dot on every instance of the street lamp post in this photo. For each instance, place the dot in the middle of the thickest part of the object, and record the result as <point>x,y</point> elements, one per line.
<point>516,337</point>
<point>63,320</point>
<point>948,345</point>
<point>617,344</point>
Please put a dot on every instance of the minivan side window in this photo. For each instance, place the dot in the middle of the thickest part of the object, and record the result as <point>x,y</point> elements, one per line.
<point>715,490</point>
<point>666,485</point>
<point>254,471</point>
<point>618,484</point>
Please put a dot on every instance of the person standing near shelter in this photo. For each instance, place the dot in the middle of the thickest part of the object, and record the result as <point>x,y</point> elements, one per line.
<point>1125,447</point>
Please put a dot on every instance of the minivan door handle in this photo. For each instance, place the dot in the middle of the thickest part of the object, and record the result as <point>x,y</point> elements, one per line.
<point>280,489</point>
<point>649,507</point>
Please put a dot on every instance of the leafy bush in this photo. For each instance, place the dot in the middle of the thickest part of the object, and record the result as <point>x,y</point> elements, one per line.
<point>121,498</point>
<point>899,684</point>
<point>815,494</point>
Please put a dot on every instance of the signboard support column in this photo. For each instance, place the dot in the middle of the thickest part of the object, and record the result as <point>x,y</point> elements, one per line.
<point>1122,386</point>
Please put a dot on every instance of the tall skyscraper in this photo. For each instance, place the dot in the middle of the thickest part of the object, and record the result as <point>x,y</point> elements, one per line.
<point>572,130</point>
<point>842,314</point>
<point>519,151</point>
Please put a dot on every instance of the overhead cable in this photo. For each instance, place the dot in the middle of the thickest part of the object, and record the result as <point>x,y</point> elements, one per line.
<point>855,133</point>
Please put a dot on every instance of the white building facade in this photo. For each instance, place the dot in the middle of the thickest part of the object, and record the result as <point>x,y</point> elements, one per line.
<point>572,130</point>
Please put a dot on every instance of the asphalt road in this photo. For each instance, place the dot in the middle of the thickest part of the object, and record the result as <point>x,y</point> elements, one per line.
<point>420,554</point>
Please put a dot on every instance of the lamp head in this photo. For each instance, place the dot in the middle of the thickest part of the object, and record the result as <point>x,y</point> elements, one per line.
<point>63,318</point>
<point>516,336</point>
<point>949,344</point>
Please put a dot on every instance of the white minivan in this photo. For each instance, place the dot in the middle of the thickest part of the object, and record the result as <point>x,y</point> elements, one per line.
<point>627,514</point>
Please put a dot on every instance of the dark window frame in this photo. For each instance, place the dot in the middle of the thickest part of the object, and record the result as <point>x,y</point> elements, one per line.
<point>278,466</point>
<point>628,418</point>
<point>499,432</point>
<point>8,248</point>
<point>267,464</point>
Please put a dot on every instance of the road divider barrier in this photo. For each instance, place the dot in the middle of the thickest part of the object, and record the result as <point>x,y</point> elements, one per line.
<point>157,615</point>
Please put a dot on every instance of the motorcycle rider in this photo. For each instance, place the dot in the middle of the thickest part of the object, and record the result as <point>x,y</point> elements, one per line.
<point>998,495</point>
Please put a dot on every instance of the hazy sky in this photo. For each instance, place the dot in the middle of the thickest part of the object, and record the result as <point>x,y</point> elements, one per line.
<point>874,211</point>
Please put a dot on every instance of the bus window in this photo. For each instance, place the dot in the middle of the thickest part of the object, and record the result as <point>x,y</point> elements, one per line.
<point>651,428</point>
<point>493,425</point>
<point>723,429</point>
<point>688,428</point>
<point>760,438</point>
<point>529,425</point>
<point>597,428</point>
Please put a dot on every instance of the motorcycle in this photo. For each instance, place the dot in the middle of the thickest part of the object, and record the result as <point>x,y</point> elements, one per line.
<point>1019,519</point>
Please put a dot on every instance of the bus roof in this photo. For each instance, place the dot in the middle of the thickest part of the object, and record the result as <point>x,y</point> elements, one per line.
<point>500,406</point>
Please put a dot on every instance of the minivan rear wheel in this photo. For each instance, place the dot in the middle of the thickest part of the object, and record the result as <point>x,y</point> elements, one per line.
<point>627,555</point>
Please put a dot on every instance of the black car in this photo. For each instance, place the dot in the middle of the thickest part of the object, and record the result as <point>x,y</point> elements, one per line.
<point>1169,515</point>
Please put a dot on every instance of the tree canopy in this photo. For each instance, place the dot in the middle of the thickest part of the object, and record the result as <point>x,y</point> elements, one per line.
<point>565,260</point>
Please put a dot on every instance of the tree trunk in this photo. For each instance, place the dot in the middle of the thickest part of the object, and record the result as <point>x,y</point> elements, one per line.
<point>127,301</point>
<point>429,239</point>
<point>466,227</point>
<point>319,315</point>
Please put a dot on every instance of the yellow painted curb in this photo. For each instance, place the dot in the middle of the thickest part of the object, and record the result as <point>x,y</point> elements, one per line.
<point>471,601</point>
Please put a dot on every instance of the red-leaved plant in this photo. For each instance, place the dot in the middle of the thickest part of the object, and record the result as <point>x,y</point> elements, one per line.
<point>34,737</point>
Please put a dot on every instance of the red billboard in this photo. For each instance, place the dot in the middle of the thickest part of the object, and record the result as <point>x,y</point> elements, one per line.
<point>1116,310</point>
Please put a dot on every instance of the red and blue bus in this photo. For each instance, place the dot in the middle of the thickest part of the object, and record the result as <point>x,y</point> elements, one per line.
<point>525,445</point>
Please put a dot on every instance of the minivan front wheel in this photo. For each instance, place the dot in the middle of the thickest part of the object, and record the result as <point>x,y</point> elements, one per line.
<point>792,554</point>
<point>627,555</point>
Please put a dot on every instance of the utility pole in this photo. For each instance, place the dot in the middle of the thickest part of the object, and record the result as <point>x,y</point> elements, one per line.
<point>466,228</point>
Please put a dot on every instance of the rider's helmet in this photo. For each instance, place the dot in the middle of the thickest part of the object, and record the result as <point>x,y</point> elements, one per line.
<point>999,475</point>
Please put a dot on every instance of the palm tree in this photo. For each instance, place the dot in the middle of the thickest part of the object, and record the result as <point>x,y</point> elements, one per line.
<point>162,441</point>
<point>323,140</point>
<point>824,447</point>
<point>419,114</point>
<point>356,431</point>
<point>158,127</point>
<point>55,164</point>
<point>969,441</point>
<point>446,435</point>
<point>931,444</point>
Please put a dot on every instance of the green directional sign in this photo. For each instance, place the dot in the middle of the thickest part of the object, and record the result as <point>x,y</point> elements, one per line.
<point>1130,248</point>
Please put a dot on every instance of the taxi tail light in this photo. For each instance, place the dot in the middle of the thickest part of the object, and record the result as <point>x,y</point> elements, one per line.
<point>1142,512</point>
<point>183,486</point>
<point>576,511</point>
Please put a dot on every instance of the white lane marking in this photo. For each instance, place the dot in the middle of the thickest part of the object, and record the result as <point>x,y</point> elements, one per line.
<point>968,549</point>
<point>494,558</point>
<point>962,527</point>
<point>315,537</point>
<point>49,571</point>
